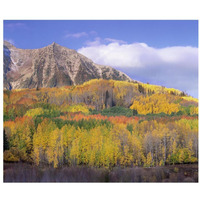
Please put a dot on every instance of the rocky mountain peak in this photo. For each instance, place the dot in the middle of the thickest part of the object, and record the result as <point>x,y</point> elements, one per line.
<point>51,66</point>
<point>7,44</point>
<point>54,45</point>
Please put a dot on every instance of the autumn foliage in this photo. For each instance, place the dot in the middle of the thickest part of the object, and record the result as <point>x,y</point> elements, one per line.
<point>101,123</point>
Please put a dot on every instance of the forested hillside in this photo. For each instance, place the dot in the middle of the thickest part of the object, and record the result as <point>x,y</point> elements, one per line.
<point>102,123</point>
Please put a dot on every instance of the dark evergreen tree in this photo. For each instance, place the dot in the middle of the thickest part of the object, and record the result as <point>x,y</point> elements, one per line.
<point>5,141</point>
<point>141,89</point>
<point>135,112</point>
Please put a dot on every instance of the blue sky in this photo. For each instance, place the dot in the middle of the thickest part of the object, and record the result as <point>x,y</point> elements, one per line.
<point>162,52</point>
<point>159,33</point>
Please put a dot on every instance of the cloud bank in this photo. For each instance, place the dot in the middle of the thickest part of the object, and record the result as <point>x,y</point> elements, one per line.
<point>175,67</point>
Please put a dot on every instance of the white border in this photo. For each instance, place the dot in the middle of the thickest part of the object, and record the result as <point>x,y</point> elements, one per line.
<point>91,9</point>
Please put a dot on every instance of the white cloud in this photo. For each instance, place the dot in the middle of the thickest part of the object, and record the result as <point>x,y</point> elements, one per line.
<point>171,66</point>
<point>97,42</point>
<point>76,35</point>
<point>114,41</point>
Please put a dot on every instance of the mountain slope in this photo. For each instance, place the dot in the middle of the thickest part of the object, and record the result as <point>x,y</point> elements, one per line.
<point>51,66</point>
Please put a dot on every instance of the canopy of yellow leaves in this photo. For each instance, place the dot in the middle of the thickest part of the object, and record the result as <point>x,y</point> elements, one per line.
<point>77,108</point>
<point>34,112</point>
<point>154,104</point>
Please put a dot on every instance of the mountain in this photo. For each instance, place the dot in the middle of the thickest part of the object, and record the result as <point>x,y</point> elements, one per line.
<point>51,66</point>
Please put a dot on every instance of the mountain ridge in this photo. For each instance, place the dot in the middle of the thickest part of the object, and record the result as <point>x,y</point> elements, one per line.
<point>52,66</point>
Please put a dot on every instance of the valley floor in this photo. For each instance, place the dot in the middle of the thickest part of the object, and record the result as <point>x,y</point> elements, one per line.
<point>23,172</point>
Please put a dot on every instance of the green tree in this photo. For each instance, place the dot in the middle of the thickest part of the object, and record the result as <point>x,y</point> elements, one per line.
<point>5,141</point>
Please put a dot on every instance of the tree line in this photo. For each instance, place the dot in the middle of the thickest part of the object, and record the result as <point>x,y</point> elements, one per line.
<point>102,143</point>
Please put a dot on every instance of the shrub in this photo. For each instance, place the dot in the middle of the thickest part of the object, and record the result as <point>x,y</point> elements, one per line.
<point>8,156</point>
<point>117,111</point>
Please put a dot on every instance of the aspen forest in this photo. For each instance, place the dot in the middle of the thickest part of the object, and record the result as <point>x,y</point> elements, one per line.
<point>101,124</point>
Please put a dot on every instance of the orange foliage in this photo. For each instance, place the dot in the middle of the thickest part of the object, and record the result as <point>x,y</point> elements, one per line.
<point>26,101</point>
<point>112,119</point>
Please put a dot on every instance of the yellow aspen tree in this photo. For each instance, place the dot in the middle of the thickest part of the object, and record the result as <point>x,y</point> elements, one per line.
<point>55,149</point>
<point>41,139</point>
<point>149,160</point>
